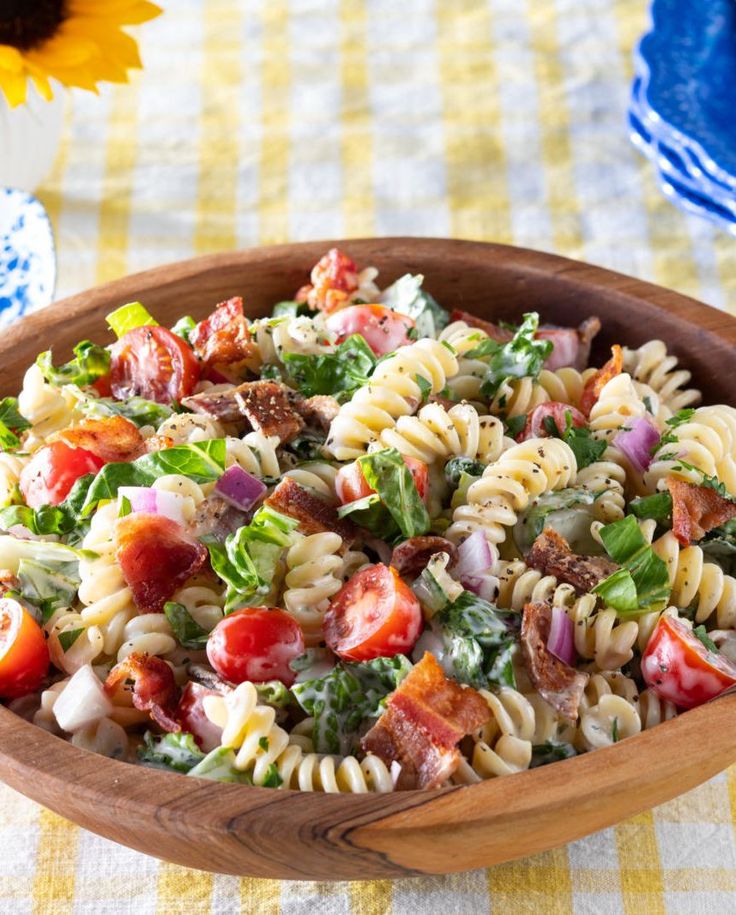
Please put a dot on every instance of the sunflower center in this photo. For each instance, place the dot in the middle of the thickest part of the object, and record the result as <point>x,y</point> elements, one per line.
<point>24,24</point>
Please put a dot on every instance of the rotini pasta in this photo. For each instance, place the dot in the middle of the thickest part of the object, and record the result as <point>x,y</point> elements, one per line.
<point>653,365</point>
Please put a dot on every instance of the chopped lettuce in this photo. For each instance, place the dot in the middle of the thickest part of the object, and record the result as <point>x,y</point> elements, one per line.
<point>202,462</point>
<point>186,629</point>
<point>138,410</point>
<point>456,467</point>
<point>657,507</point>
<point>11,422</point>
<point>586,449</point>
<point>128,317</point>
<point>341,701</point>
<point>407,297</point>
<point>246,562</point>
<point>183,327</point>
<point>340,373</point>
<point>551,751</point>
<point>177,751</point>
<point>473,641</point>
<point>48,585</point>
<point>567,511</point>
<point>395,510</point>
<point>642,584</point>
<point>273,693</point>
<point>520,357</point>
<point>219,766</point>
<point>90,362</point>
<point>435,588</point>
<point>290,309</point>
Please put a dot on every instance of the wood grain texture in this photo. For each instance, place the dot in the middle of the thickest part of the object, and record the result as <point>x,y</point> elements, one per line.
<point>290,835</point>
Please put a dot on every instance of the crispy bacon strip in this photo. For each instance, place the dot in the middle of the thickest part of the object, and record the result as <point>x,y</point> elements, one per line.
<point>221,405</point>
<point>223,338</point>
<point>559,684</point>
<point>333,278</point>
<point>551,555</point>
<point>595,384</point>
<point>111,438</point>
<point>156,557</point>
<point>153,686</point>
<point>697,510</point>
<point>267,407</point>
<point>411,556</point>
<point>313,513</point>
<point>500,334</point>
<point>571,345</point>
<point>425,718</point>
<point>317,411</point>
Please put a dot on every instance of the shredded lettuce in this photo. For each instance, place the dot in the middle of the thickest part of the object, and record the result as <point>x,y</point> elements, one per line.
<point>339,373</point>
<point>642,583</point>
<point>344,699</point>
<point>395,510</point>
<point>90,362</point>
<point>407,297</point>
<point>177,751</point>
<point>186,629</point>
<point>247,561</point>
<point>520,357</point>
<point>202,462</point>
<point>128,317</point>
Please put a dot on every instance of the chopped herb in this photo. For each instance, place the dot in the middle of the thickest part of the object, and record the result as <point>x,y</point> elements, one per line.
<point>515,425</point>
<point>68,638</point>
<point>263,744</point>
<point>424,386</point>
<point>614,730</point>
<point>700,633</point>
<point>521,357</point>
<point>273,778</point>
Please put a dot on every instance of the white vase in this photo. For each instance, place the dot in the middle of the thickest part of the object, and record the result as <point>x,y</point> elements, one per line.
<point>29,138</point>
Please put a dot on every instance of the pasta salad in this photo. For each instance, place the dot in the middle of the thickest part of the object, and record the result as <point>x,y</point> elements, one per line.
<point>362,544</point>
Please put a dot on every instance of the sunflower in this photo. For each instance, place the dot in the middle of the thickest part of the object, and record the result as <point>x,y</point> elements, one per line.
<point>76,42</point>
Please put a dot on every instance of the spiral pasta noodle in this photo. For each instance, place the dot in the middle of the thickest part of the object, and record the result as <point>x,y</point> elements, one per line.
<point>653,365</point>
<point>392,391</point>
<point>185,428</point>
<point>314,575</point>
<point>47,408</point>
<point>254,452</point>
<point>11,466</point>
<point>318,476</point>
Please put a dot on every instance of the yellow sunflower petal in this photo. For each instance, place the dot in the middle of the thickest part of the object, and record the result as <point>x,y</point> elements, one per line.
<point>111,42</point>
<point>42,84</point>
<point>11,59</point>
<point>121,12</point>
<point>14,86</point>
<point>63,50</point>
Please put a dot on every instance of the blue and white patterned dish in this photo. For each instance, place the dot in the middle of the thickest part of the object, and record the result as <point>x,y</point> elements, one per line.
<point>688,67</point>
<point>27,256</point>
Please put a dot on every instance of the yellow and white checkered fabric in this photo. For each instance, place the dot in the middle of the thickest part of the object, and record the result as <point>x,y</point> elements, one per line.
<point>261,121</point>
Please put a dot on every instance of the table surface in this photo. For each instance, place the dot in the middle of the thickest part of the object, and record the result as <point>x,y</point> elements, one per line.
<point>266,121</point>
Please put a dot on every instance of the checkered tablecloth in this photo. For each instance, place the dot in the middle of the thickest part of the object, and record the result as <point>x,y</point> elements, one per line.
<point>261,121</point>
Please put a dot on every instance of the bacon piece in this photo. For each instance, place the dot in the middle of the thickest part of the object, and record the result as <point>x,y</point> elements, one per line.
<point>156,557</point>
<point>266,406</point>
<point>571,345</point>
<point>223,338</point>
<point>425,718</point>
<point>207,678</point>
<point>558,684</point>
<point>152,684</point>
<point>587,331</point>
<point>221,405</point>
<point>317,411</point>
<point>159,443</point>
<point>191,716</point>
<point>500,334</point>
<point>8,582</point>
<point>111,438</point>
<point>333,278</point>
<point>313,513</point>
<point>216,518</point>
<point>411,556</point>
<point>551,555</point>
<point>595,384</point>
<point>697,510</point>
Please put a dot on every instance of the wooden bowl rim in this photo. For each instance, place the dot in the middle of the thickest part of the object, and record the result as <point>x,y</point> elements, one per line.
<point>27,750</point>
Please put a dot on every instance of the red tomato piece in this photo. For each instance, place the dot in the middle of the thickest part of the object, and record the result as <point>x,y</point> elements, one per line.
<point>102,386</point>
<point>154,363</point>
<point>677,666</point>
<point>156,557</point>
<point>257,644</point>
<point>350,484</point>
<point>191,716</point>
<point>52,471</point>
<point>384,330</point>
<point>535,422</point>
<point>24,657</point>
<point>374,615</point>
<point>333,277</point>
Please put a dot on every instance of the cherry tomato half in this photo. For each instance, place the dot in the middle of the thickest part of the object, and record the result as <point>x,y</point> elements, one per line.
<point>677,666</point>
<point>384,330</point>
<point>154,363</point>
<point>191,715</point>
<point>52,471</point>
<point>535,422</point>
<point>374,615</point>
<point>350,484</point>
<point>256,643</point>
<point>24,657</point>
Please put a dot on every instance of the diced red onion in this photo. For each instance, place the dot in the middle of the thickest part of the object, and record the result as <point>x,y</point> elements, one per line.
<point>154,501</point>
<point>637,443</point>
<point>475,560</point>
<point>485,586</point>
<point>561,641</point>
<point>240,488</point>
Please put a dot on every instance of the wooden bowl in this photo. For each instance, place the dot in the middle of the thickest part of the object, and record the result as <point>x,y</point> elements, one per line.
<point>286,834</point>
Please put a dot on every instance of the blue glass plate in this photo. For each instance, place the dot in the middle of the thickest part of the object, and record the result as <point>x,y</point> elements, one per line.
<point>688,65</point>
<point>27,256</point>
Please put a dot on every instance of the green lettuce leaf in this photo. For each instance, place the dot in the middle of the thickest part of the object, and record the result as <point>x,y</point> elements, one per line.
<point>520,357</point>
<point>658,507</point>
<point>177,751</point>
<point>568,511</point>
<point>186,629</point>
<point>138,410</point>
<point>128,317</point>
<point>642,583</point>
<point>586,449</point>
<point>202,462</point>
<point>551,751</point>
<point>183,327</point>
<point>90,362</point>
<point>457,466</point>
<point>339,373</point>
<point>344,699</point>
<point>11,422</point>
<point>407,297</point>
<point>48,585</point>
<point>219,766</point>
